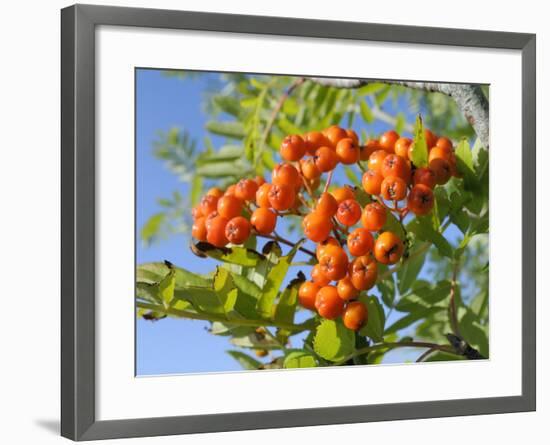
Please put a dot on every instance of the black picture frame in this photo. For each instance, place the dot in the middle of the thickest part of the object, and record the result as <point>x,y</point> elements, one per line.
<point>78,24</point>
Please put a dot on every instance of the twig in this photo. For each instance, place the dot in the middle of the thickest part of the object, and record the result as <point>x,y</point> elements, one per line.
<point>274,113</point>
<point>287,242</point>
<point>469,98</point>
<point>425,355</point>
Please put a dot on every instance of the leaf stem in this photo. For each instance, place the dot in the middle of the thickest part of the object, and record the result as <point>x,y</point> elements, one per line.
<point>287,242</point>
<point>404,344</point>
<point>452,302</point>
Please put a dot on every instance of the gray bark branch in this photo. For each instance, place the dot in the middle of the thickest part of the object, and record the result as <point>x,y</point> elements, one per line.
<point>469,98</point>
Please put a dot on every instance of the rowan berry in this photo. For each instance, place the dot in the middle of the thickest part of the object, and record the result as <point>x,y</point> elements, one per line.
<point>374,216</point>
<point>363,272</point>
<point>393,188</point>
<point>442,170</point>
<point>317,226</point>
<point>307,293</point>
<point>325,159</point>
<point>430,137</point>
<point>282,196</point>
<point>420,200</point>
<point>334,263</point>
<point>440,153</point>
<point>285,174</point>
<point>369,148</point>
<point>246,189</point>
<point>322,246</point>
<point>229,206</point>
<point>424,176</point>
<point>372,182</point>
<point>345,289</point>
<point>347,151</point>
<point>263,220</point>
<point>349,212</point>
<point>309,169</point>
<point>334,134</point>
<point>360,242</point>
<point>326,205</point>
<point>215,191</point>
<point>293,148</point>
<point>262,195</point>
<point>328,304</point>
<point>355,315</point>
<point>375,160</point>
<point>353,136</point>
<point>198,231</point>
<point>402,147</point>
<point>208,204</point>
<point>388,139</point>
<point>343,193</point>
<point>394,165</point>
<point>216,231</point>
<point>444,143</point>
<point>314,140</point>
<point>237,230</point>
<point>388,248</point>
<point>318,277</point>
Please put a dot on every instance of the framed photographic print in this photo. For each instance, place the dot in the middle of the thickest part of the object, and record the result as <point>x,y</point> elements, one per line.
<point>253,207</point>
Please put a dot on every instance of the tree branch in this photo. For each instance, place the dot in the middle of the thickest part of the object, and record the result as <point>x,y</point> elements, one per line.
<point>469,98</point>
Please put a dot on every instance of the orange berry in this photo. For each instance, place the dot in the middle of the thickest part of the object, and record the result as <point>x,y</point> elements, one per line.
<point>260,180</point>
<point>420,200</point>
<point>444,143</point>
<point>318,277</point>
<point>326,205</point>
<point>293,148</point>
<point>322,246</point>
<point>440,153</point>
<point>208,204</point>
<point>355,315</point>
<point>363,272</point>
<point>309,169</point>
<point>349,212</point>
<point>375,160</point>
<point>343,193</point>
<point>328,303</point>
<point>431,138</point>
<point>372,182</point>
<point>317,227</point>
<point>230,190</point>
<point>369,148</point>
<point>360,242</point>
<point>393,188</point>
<point>229,206</point>
<point>307,294</point>
<point>374,217</point>
<point>215,191</point>
<point>196,212</point>
<point>394,165</point>
<point>334,263</point>
<point>388,139</point>
<point>402,147</point>
<point>353,136</point>
<point>424,176</point>
<point>198,231</point>
<point>314,140</point>
<point>285,174</point>
<point>282,196</point>
<point>263,220</point>
<point>262,195</point>
<point>246,189</point>
<point>345,289</point>
<point>347,151</point>
<point>325,159</point>
<point>334,134</point>
<point>216,231</point>
<point>442,170</point>
<point>388,248</point>
<point>237,230</point>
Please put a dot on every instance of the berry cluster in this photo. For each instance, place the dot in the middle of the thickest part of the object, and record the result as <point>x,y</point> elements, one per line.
<point>334,219</point>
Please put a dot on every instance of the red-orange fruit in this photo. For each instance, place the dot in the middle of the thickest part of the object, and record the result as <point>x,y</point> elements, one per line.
<point>345,289</point>
<point>347,151</point>
<point>334,263</point>
<point>393,188</point>
<point>317,227</point>
<point>263,220</point>
<point>229,206</point>
<point>216,231</point>
<point>360,242</point>
<point>237,230</point>
<point>282,196</point>
<point>420,200</point>
<point>198,231</point>
<point>388,248</point>
<point>293,148</point>
<point>349,212</point>
<point>388,139</point>
<point>307,294</point>
<point>374,216</point>
<point>328,303</point>
<point>246,189</point>
<point>363,272</point>
<point>372,182</point>
<point>355,315</point>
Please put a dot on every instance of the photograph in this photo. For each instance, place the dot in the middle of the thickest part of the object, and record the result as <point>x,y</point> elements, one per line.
<point>291,221</point>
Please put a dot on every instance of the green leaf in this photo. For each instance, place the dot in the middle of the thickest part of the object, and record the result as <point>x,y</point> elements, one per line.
<point>387,289</point>
<point>333,341</point>
<point>286,307</point>
<point>423,229</point>
<point>419,155</point>
<point>215,170</point>
<point>370,88</point>
<point>196,189</point>
<point>393,225</point>
<point>153,273</point>
<point>410,269</point>
<point>424,295</point>
<point>151,228</point>
<point>299,359</point>
<point>464,153</point>
<point>166,288</point>
<point>352,176</point>
<point>230,129</point>
<point>374,328</point>
<point>273,283</point>
<point>474,333</point>
<point>245,360</point>
<point>366,112</point>
<point>400,122</point>
<point>409,319</point>
<point>287,127</point>
<point>226,153</point>
<point>235,254</point>
<point>228,104</point>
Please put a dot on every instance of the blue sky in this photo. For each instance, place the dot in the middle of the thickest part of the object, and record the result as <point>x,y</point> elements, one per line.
<point>172,346</point>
